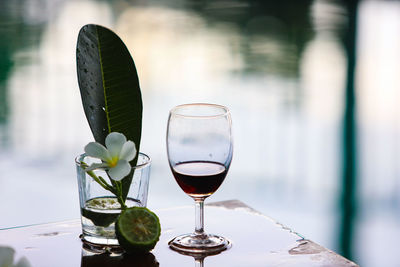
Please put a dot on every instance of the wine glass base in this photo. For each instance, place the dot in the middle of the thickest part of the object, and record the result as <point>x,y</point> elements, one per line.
<point>205,244</point>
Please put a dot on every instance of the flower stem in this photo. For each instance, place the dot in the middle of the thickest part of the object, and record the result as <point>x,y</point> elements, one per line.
<point>101,182</point>
<point>109,187</point>
<point>115,188</point>
<point>118,187</point>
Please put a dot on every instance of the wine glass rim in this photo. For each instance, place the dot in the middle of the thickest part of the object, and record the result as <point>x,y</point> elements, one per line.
<point>224,110</point>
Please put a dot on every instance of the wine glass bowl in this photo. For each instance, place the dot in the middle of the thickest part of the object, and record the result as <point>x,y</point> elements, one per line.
<point>199,148</point>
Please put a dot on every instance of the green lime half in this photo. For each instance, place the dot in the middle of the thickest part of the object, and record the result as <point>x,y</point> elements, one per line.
<point>138,229</point>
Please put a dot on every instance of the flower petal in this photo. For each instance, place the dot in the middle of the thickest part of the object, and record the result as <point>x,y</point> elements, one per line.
<point>96,166</point>
<point>128,151</point>
<point>122,169</point>
<point>96,150</point>
<point>114,143</point>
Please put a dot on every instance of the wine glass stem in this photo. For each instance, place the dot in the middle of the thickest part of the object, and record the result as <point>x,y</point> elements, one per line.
<point>199,204</point>
<point>199,263</point>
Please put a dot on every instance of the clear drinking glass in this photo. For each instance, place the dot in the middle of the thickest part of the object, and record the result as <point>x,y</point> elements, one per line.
<point>100,208</point>
<point>199,147</point>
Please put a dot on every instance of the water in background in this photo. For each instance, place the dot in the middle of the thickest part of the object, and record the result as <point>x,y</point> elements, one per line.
<point>280,68</point>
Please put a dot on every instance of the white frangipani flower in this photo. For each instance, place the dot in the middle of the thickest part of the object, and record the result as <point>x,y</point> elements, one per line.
<point>115,156</point>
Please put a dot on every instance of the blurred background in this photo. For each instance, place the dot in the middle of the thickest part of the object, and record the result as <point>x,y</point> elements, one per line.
<point>312,86</point>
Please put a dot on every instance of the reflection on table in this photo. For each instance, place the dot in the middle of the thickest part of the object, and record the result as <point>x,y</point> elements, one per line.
<point>257,240</point>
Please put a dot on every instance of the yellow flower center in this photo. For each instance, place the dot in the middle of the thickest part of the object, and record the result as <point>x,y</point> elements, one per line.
<point>113,162</point>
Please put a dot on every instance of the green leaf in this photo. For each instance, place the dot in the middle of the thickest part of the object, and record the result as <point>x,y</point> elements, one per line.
<point>109,87</point>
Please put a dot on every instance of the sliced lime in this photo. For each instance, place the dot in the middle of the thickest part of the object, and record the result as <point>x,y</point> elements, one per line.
<point>138,229</point>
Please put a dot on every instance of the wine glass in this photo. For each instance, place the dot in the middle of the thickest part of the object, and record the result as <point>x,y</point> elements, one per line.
<point>199,147</point>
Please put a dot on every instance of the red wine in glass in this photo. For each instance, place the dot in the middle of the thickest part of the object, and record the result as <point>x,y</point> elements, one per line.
<point>199,178</point>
